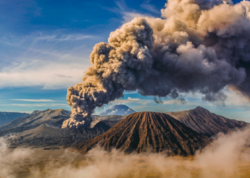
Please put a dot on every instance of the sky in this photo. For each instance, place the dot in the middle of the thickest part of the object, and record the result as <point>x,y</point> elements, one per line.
<point>45,47</point>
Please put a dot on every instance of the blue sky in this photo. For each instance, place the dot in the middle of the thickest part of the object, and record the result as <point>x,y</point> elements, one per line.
<point>45,47</point>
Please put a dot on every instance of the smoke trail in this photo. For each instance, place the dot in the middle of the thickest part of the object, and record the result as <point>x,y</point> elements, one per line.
<point>122,64</point>
<point>198,46</point>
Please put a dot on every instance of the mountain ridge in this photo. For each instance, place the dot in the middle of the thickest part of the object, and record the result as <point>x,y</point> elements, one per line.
<point>206,123</point>
<point>198,119</point>
<point>6,117</point>
<point>43,128</point>
<point>54,117</point>
<point>46,135</point>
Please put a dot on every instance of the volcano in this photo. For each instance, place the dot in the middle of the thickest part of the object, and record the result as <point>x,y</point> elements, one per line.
<point>205,122</point>
<point>120,110</point>
<point>148,131</point>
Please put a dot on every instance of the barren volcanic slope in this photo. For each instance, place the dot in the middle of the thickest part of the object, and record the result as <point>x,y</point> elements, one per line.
<point>45,135</point>
<point>43,128</point>
<point>205,122</point>
<point>49,116</point>
<point>139,132</point>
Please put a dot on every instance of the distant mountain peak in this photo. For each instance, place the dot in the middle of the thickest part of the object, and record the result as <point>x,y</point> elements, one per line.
<point>199,108</point>
<point>118,110</point>
<point>36,111</point>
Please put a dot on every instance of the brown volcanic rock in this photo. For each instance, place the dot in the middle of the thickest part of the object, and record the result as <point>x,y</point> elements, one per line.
<point>205,122</point>
<point>142,131</point>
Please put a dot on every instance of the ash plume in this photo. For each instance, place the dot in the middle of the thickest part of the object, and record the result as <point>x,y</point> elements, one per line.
<point>197,46</point>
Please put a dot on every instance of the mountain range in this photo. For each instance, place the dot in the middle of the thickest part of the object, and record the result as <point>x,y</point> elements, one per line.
<point>6,117</point>
<point>45,135</point>
<point>205,122</point>
<point>43,128</point>
<point>55,118</point>
<point>49,116</point>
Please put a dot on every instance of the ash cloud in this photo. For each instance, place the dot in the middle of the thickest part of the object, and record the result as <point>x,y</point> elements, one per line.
<point>197,46</point>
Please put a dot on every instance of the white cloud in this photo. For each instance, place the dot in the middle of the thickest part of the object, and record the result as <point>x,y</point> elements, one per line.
<point>39,37</point>
<point>50,76</point>
<point>60,38</point>
<point>34,100</point>
<point>128,16</point>
<point>171,102</point>
<point>127,13</point>
<point>40,105</point>
<point>150,8</point>
<point>236,99</point>
<point>136,101</point>
<point>27,112</point>
<point>133,99</point>
<point>38,61</point>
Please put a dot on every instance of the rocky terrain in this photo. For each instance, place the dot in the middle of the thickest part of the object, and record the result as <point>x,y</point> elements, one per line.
<point>51,117</point>
<point>148,131</point>
<point>43,128</point>
<point>45,135</point>
<point>205,122</point>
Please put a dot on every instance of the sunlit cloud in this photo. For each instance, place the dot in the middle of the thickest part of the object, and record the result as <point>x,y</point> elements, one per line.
<point>150,8</point>
<point>38,61</point>
<point>50,76</point>
<point>60,38</point>
<point>127,13</point>
<point>40,105</point>
<point>34,100</point>
<point>133,99</point>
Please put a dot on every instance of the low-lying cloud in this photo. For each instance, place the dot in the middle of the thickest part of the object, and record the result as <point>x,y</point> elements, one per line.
<point>227,156</point>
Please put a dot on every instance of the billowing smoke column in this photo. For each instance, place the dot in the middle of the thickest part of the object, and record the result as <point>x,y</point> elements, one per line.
<point>198,46</point>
